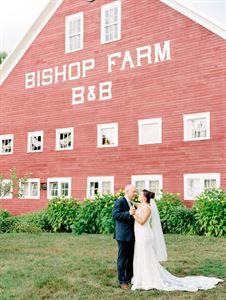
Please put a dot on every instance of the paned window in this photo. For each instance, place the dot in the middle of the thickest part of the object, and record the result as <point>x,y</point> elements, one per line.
<point>35,141</point>
<point>74,32</point>
<point>197,126</point>
<point>64,138</point>
<point>195,184</point>
<point>152,183</point>
<point>30,189</point>
<point>100,185</point>
<point>111,22</point>
<point>6,144</point>
<point>107,135</point>
<point>59,187</point>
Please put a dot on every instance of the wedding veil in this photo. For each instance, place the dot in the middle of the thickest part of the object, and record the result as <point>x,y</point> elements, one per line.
<point>159,241</point>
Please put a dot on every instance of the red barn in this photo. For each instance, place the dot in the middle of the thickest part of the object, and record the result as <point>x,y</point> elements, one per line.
<point>99,94</point>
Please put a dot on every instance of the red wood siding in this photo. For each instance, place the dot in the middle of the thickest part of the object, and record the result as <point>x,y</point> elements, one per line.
<point>192,81</point>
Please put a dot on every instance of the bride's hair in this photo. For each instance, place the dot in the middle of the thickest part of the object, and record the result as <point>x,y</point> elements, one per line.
<point>148,195</point>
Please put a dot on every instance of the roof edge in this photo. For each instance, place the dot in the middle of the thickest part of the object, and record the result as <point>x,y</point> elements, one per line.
<point>200,19</point>
<point>14,57</point>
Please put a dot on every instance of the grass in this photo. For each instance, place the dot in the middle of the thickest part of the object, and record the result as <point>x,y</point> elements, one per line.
<point>68,267</point>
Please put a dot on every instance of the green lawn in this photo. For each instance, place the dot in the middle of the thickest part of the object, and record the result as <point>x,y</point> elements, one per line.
<point>65,267</point>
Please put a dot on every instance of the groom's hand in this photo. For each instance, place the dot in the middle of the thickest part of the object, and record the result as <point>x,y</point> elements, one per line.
<point>132,211</point>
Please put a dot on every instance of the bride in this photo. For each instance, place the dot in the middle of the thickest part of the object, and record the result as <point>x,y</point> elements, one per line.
<point>150,248</point>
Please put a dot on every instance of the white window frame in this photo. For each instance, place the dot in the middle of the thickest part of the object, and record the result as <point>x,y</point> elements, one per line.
<point>188,117</point>
<point>103,9</point>
<point>157,121</point>
<point>29,181</point>
<point>99,134</point>
<point>29,136</point>
<point>68,19</point>
<point>7,196</point>
<point>59,180</point>
<point>6,137</point>
<point>146,179</point>
<point>202,177</point>
<point>100,180</point>
<point>60,131</point>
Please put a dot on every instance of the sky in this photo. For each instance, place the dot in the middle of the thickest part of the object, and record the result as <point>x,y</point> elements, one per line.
<point>16,17</point>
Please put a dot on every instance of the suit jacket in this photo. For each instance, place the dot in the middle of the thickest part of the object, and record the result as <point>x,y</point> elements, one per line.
<point>124,222</point>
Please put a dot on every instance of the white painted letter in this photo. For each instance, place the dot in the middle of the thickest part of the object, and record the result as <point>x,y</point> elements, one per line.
<point>87,64</point>
<point>105,90</point>
<point>143,52</point>
<point>30,80</point>
<point>47,77</point>
<point>77,74</point>
<point>127,58</point>
<point>63,73</point>
<point>91,94</point>
<point>112,62</point>
<point>78,95</point>
<point>162,54</point>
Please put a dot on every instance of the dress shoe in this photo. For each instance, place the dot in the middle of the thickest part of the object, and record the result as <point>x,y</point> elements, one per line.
<point>124,286</point>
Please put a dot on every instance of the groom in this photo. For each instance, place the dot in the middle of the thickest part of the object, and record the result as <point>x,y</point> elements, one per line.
<point>122,213</point>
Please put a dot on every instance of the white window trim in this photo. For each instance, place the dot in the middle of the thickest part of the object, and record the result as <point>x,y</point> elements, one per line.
<point>147,178</point>
<point>58,132</point>
<point>149,121</point>
<point>100,180</point>
<point>29,191</point>
<point>99,136</point>
<point>6,137</point>
<point>59,180</point>
<point>202,177</point>
<point>197,116</point>
<point>103,8</point>
<point>67,20</point>
<point>34,133</point>
<point>11,192</point>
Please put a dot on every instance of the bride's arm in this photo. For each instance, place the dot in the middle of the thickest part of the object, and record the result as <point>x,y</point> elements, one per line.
<point>145,214</point>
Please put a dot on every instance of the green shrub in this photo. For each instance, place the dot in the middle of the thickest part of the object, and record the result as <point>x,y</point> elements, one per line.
<point>7,224</point>
<point>167,206</point>
<point>4,214</point>
<point>95,215</point>
<point>23,226</point>
<point>210,212</point>
<point>38,219</point>
<point>62,213</point>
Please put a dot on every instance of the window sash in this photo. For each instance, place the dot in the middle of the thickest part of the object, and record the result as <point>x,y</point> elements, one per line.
<point>74,32</point>
<point>100,185</point>
<point>111,22</point>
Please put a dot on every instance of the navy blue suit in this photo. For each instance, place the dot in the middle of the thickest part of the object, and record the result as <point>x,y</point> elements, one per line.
<point>124,234</point>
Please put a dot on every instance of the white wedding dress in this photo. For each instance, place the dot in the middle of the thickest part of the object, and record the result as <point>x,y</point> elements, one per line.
<point>149,274</point>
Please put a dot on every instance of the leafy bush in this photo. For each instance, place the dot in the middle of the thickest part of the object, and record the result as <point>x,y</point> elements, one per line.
<point>23,226</point>
<point>210,212</point>
<point>62,213</point>
<point>168,204</point>
<point>38,219</point>
<point>95,215</point>
<point>6,221</point>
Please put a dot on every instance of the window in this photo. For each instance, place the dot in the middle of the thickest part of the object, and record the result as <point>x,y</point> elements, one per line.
<point>100,185</point>
<point>74,32</point>
<point>64,138</point>
<point>111,22</point>
<point>194,184</point>
<point>30,189</point>
<point>152,183</point>
<point>35,141</point>
<point>5,189</point>
<point>150,131</point>
<point>197,126</point>
<point>6,144</point>
<point>107,135</point>
<point>59,187</point>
